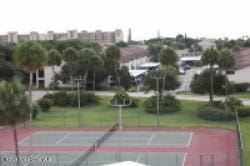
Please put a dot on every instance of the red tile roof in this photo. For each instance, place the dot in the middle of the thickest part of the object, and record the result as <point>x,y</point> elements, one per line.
<point>242,58</point>
<point>133,52</point>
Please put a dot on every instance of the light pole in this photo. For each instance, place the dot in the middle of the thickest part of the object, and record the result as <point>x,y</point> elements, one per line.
<point>157,78</point>
<point>121,105</point>
<point>78,96</point>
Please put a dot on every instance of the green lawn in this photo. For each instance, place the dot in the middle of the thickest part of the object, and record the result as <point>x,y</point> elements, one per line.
<point>103,115</point>
<point>243,95</point>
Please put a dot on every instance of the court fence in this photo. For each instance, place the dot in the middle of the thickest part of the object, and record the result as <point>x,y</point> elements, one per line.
<point>230,158</point>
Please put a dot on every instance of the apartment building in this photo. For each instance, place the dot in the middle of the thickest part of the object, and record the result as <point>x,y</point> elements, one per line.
<point>98,36</point>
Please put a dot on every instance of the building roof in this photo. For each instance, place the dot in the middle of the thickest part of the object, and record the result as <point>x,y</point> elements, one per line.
<point>242,58</point>
<point>150,65</point>
<point>133,52</point>
<point>136,73</point>
<point>190,58</point>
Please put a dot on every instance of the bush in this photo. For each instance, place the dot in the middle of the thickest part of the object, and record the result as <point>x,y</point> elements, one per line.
<point>244,112</point>
<point>44,104</point>
<point>232,103</point>
<point>166,103</point>
<point>239,87</point>
<point>63,98</point>
<point>121,96</point>
<point>35,111</point>
<point>197,63</point>
<point>215,114</point>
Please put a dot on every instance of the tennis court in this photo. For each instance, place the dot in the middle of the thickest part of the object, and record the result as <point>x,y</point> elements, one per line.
<point>98,146</point>
<point>118,138</point>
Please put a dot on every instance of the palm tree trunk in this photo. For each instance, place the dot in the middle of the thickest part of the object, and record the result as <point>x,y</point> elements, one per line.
<point>30,100</point>
<point>212,85</point>
<point>117,76</point>
<point>16,145</point>
<point>85,80</point>
<point>54,77</point>
<point>94,81</point>
<point>226,85</point>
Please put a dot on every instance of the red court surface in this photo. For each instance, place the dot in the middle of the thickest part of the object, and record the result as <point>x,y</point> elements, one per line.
<point>208,146</point>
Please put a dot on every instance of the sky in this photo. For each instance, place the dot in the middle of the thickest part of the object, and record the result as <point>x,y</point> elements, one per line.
<point>196,18</point>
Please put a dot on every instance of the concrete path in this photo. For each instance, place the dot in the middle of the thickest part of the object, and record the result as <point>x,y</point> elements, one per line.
<point>37,94</point>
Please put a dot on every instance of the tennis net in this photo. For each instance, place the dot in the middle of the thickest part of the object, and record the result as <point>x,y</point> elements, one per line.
<point>94,146</point>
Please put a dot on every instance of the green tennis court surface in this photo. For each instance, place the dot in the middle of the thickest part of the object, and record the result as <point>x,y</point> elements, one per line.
<point>121,138</point>
<point>95,159</point>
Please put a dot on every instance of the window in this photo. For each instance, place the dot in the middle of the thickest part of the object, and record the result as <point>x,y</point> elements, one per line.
<point>230,72</point>
<point>41,73</point>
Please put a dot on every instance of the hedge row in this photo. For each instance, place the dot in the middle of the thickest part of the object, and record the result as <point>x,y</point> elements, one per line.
<point>64,98</point>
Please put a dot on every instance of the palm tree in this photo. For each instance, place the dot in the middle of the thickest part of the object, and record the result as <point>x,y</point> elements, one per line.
<point>210,57</point>
<point>54,59</point>
<point>226,61</point>
<point>86,58</point>
<point>70,55</point>
<point>30,57</point>
<point>14,108</point>
<point>113,54</point>
<point>97,65</point>
<point>168,58</point>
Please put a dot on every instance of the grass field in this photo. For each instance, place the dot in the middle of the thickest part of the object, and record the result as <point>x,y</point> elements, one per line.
<point>103,115</point>
<point>241,95</point>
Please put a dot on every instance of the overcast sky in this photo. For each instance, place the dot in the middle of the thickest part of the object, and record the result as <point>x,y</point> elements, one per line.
<point>198,18</point>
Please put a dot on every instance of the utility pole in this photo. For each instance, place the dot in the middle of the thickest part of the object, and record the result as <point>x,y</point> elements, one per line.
<point>157,78</point>
<point>78,79</point>
<point>121,105</point>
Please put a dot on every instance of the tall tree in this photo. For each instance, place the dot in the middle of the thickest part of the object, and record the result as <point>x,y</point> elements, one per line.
<point>54,59</point>
<point>86,61</point>
<point>14,108</point>
<point>113,55</point>
<point>210,57</point>
<point>154,52</point>
<point>30,57</point>
<point>70,55</point>
<point>226,61</point>
<point>97,65</point>
<point>168,58</point>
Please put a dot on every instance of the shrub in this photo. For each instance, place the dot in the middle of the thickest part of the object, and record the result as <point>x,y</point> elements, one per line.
<point>50,97</point>
<point>215,114</point>
<point>35,111</point>
<point>166,103</point>
<point>244,112</point>
<point>240,87</point>
<point>63,98</point>
<point>232,103</point>
<point>44,104</point>
<point>87,98</point>
<point>197,63</point>
<point>121,96</point>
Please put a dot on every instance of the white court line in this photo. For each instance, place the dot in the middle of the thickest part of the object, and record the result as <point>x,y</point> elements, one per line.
<point>190,139</point>
<point>62,139</point>
<point>27,138</point>
<point>184,159</point>
<point>151,138</point>
<point>138,158</point>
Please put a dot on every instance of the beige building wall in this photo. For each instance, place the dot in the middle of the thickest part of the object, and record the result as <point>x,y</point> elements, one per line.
<point>240,76</point>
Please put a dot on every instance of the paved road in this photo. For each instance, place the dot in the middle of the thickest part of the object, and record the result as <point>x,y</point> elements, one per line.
<point>37,94</point>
